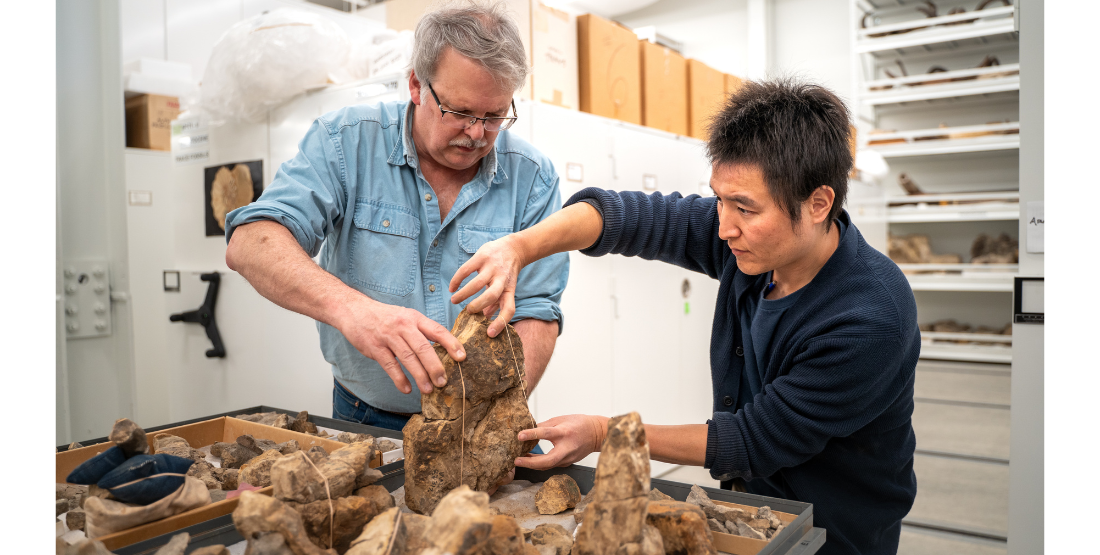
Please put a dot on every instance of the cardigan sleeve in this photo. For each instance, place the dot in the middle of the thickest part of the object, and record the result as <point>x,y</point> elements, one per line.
<point>673,229</point>
<point>837,385</point>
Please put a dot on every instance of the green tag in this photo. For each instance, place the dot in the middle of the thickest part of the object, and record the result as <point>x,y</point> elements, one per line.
<point>687,307</point>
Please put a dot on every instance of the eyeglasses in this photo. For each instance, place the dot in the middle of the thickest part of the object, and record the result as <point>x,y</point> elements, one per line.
<point>458,120</point>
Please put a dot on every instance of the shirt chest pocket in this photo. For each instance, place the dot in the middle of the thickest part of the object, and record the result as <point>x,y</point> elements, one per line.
<point>385,250</point>
<point>472,237</point>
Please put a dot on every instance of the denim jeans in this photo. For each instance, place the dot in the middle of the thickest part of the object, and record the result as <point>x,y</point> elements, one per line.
<point>346,406</point>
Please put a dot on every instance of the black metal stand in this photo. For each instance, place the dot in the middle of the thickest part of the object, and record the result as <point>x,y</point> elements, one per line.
<point>204,316</point>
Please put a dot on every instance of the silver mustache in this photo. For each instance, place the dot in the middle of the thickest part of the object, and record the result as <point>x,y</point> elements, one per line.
<point>466,142</point>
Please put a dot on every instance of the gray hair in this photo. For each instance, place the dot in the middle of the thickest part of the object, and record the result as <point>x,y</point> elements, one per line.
<point>480,31</point>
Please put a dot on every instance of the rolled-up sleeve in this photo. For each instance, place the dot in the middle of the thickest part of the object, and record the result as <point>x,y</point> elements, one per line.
<point>540,284</point>
<point>308,195</point>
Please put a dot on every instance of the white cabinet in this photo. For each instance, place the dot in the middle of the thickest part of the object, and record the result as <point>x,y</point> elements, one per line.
<point>628,344</point>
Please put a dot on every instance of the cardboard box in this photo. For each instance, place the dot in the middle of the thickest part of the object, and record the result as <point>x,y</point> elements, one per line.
<point>553,56</point>
<point>224,429</point>
<point>728,543</point>
<point>852,147</point>
<point>549,40</point>
<point>149,121</point>
<point>664,88</point>
<point>733,83</point>
<point>610,69</point>
<point>706,90</point>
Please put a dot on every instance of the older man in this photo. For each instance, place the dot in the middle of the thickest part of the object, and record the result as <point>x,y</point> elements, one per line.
<point>396,197</point>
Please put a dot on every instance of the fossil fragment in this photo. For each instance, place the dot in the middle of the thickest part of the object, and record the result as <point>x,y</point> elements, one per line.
<point>206,473</point>
<point>506,537</point>
<point>269,543</point>
<point>683,528</point>
<point>351,437</point>
<point>295,479</point>
<point>557,494</point>
<point>578,511</point>
<point>257,471</point>
<point>211,550</point>
<point>658,495</point>
<point>275,419</point>
<point>72,494</point>
<point>378,498</point>
<point>316,453</point>
<point>259,513</point>
<point>553,536</point>
<point>177,446</point>
<point>75,518</point>
<point>385,445</point>
<point>368,477</point>
<point>302,424</point>
<point>130,437</point>
<point>744,530</point>
<point>1002,250</point>
<point>416,526</point>
<point>62,506</point>
<point>233,455</point>
<point>615,520</point>
<point>460,524</point>
<point>176,545</point>
<point>351,514</point>
<point>230,190</point>
<point>385,534</point>
<point>74,445</point>
<point>466,433</point>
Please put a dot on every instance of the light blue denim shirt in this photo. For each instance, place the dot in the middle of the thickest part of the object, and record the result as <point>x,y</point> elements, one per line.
<point>355,193</point>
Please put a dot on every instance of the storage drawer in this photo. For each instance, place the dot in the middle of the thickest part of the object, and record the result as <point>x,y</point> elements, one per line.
<point>964,430</point>
<point>972,383</point>
<point>962,495</point>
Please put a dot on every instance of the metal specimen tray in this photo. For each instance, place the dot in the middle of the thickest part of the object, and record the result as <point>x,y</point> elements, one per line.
<point>341,425</point>
<point>798,538</point>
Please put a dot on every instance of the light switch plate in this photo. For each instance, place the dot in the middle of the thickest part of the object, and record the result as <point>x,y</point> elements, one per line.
<point>87,306</point>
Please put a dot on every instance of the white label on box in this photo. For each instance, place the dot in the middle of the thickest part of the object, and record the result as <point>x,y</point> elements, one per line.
<point>1035,222</point>
<point>192,157</point>
<point>141,198</point>
<point>574,172</point>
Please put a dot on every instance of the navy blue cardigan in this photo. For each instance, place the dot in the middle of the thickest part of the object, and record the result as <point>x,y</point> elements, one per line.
<point>833,424</point>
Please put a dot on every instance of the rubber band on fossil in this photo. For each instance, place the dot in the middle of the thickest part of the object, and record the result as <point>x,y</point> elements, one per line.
<point>462,432</point>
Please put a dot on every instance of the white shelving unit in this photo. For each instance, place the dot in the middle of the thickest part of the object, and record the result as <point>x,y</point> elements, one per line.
<point>920,119</point>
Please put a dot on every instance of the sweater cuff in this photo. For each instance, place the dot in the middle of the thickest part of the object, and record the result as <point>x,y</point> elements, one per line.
<point>729,460</point>
<point>610,207</point>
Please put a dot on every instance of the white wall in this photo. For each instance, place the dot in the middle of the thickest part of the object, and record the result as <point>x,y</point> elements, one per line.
<point>811,40</point>
<point>95,381</point>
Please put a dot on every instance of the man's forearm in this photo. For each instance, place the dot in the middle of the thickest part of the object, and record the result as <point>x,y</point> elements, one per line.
<point>539,338</point>
<point>269,257</point>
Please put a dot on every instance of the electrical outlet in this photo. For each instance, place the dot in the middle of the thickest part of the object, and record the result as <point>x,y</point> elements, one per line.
<point>87,299</point>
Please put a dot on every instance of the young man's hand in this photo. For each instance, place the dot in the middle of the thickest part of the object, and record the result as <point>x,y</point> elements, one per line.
<point>574,437</point>
<point>497,264</point>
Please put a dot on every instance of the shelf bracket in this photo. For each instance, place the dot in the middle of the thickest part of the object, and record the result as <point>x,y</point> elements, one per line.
<point>204,315</point>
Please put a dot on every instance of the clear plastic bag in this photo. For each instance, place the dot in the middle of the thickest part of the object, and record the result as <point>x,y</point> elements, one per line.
<point>264,61</point>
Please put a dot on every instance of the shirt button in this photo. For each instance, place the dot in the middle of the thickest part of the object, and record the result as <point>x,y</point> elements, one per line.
<point>435,243</point>
<point>727,400</point>
<point>385,223</point>
<point>740,352</point>
<point>428,197</point>
<point>431,288</point>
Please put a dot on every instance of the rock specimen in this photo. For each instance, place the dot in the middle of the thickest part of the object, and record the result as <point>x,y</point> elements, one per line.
<point>416,526</point>
<point>211,550</point>
<point>350,437</point>
<point>368,477</point>
<point>130,437</point>
<point>233,455</point>
<point>1002,250</point>
<point>384,535</point>
<point>74,445</point>
<point>351,514</point>
<point>267,544</point>
<point>206,473</point>
<point>229,478</point>
<point>727,516</point>
<point>553,536</point>
<point>615,520</point>
<point>460,524</point>
<point>61,507</point>
<point>506,537</point>
<point>578,511</point>
<point>746,531</point>
<point>471,442</point>
<point>72,494</point>
<point>177,446</point>
<point>295,479</point>
<point>379,499</point>
<point>917,249</point>
<point>557,494</point>
<point>258,513</point>
<point>385,446</point>
<point>275,419</point>
<point>317,453</point>
<point>75,519</point>
<point>257,471</point>
<point>762,524</point>
<point>657,495</point>
<point>302,424</point>
<point>175,546</point>
<point>87,546</point>
<point>683,528</point>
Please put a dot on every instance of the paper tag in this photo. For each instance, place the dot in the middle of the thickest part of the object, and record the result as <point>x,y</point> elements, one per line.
<point>141,198</point>
<point>1035,224</point>
<point>190,140</point>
